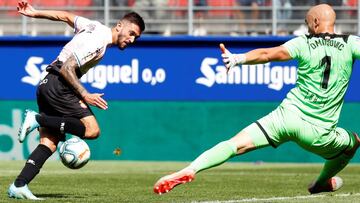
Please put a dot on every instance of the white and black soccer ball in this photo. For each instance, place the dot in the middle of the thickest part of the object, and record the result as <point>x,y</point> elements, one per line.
<point>74,153</point>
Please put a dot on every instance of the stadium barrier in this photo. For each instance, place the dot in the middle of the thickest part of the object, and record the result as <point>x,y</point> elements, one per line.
<point>169,98</point>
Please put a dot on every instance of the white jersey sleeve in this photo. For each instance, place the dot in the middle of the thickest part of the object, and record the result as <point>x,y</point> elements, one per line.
<point>80,23</point>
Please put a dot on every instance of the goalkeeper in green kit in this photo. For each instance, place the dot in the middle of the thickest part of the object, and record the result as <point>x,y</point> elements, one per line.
<point>308,115</point>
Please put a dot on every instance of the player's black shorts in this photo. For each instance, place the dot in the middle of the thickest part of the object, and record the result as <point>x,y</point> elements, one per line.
<point>56,98</point>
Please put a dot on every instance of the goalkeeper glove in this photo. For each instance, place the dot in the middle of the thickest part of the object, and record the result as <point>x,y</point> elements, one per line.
<point>230,60</point>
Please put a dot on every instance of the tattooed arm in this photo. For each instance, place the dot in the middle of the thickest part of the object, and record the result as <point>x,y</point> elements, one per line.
<point>68,72</point>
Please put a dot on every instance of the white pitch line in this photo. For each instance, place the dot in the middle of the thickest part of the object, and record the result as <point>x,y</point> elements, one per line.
<point>279,198</point>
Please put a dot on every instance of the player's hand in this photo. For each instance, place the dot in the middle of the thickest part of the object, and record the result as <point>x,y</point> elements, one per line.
<point>26,9</point>
<point>95,99</point>
<point>230,60</point>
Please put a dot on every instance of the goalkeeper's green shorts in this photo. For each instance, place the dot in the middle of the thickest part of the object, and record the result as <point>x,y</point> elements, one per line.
<point>283,125</point>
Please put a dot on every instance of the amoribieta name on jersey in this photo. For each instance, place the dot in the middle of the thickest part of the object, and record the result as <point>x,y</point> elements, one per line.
<point>323,42</point>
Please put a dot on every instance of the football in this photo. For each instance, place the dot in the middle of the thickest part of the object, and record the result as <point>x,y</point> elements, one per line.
<point>74,153</point>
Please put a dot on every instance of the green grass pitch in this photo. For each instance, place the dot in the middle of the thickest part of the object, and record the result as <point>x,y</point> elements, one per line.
<point>126,181</point>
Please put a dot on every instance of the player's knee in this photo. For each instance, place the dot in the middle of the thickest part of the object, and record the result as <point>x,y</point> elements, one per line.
<point>51,145</point>
<point>49,138</point>
<point>243,142</point>
<point>92,133</point>
<point>92,129</point>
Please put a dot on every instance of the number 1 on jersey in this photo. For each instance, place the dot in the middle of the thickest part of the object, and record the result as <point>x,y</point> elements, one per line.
<point>327,62</point>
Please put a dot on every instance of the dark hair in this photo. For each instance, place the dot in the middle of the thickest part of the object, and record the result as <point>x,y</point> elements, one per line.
<point>135,18</point>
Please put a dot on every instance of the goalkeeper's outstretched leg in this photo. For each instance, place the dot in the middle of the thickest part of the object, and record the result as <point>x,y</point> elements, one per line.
<point>239,144</point>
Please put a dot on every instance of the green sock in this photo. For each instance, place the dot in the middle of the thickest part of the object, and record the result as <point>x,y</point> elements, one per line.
<point>214,156</point>
<point>332,167</point>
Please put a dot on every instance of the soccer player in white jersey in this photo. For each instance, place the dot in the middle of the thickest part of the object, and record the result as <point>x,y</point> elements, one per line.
<point>307,116</point>
<point>63,101</point>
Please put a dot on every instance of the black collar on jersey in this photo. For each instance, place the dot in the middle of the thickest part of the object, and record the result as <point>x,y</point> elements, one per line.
<point>328,36</point>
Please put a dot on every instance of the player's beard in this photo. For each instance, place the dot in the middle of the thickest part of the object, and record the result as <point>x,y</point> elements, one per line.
<point>121,42</point>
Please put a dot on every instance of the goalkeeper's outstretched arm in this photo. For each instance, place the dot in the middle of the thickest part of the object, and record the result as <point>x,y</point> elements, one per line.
<point>26,9</point>
<point>255,56</point>
<point>265,55</point>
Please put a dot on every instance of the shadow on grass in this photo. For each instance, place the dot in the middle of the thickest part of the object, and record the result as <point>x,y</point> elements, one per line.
<point>59,196</point>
